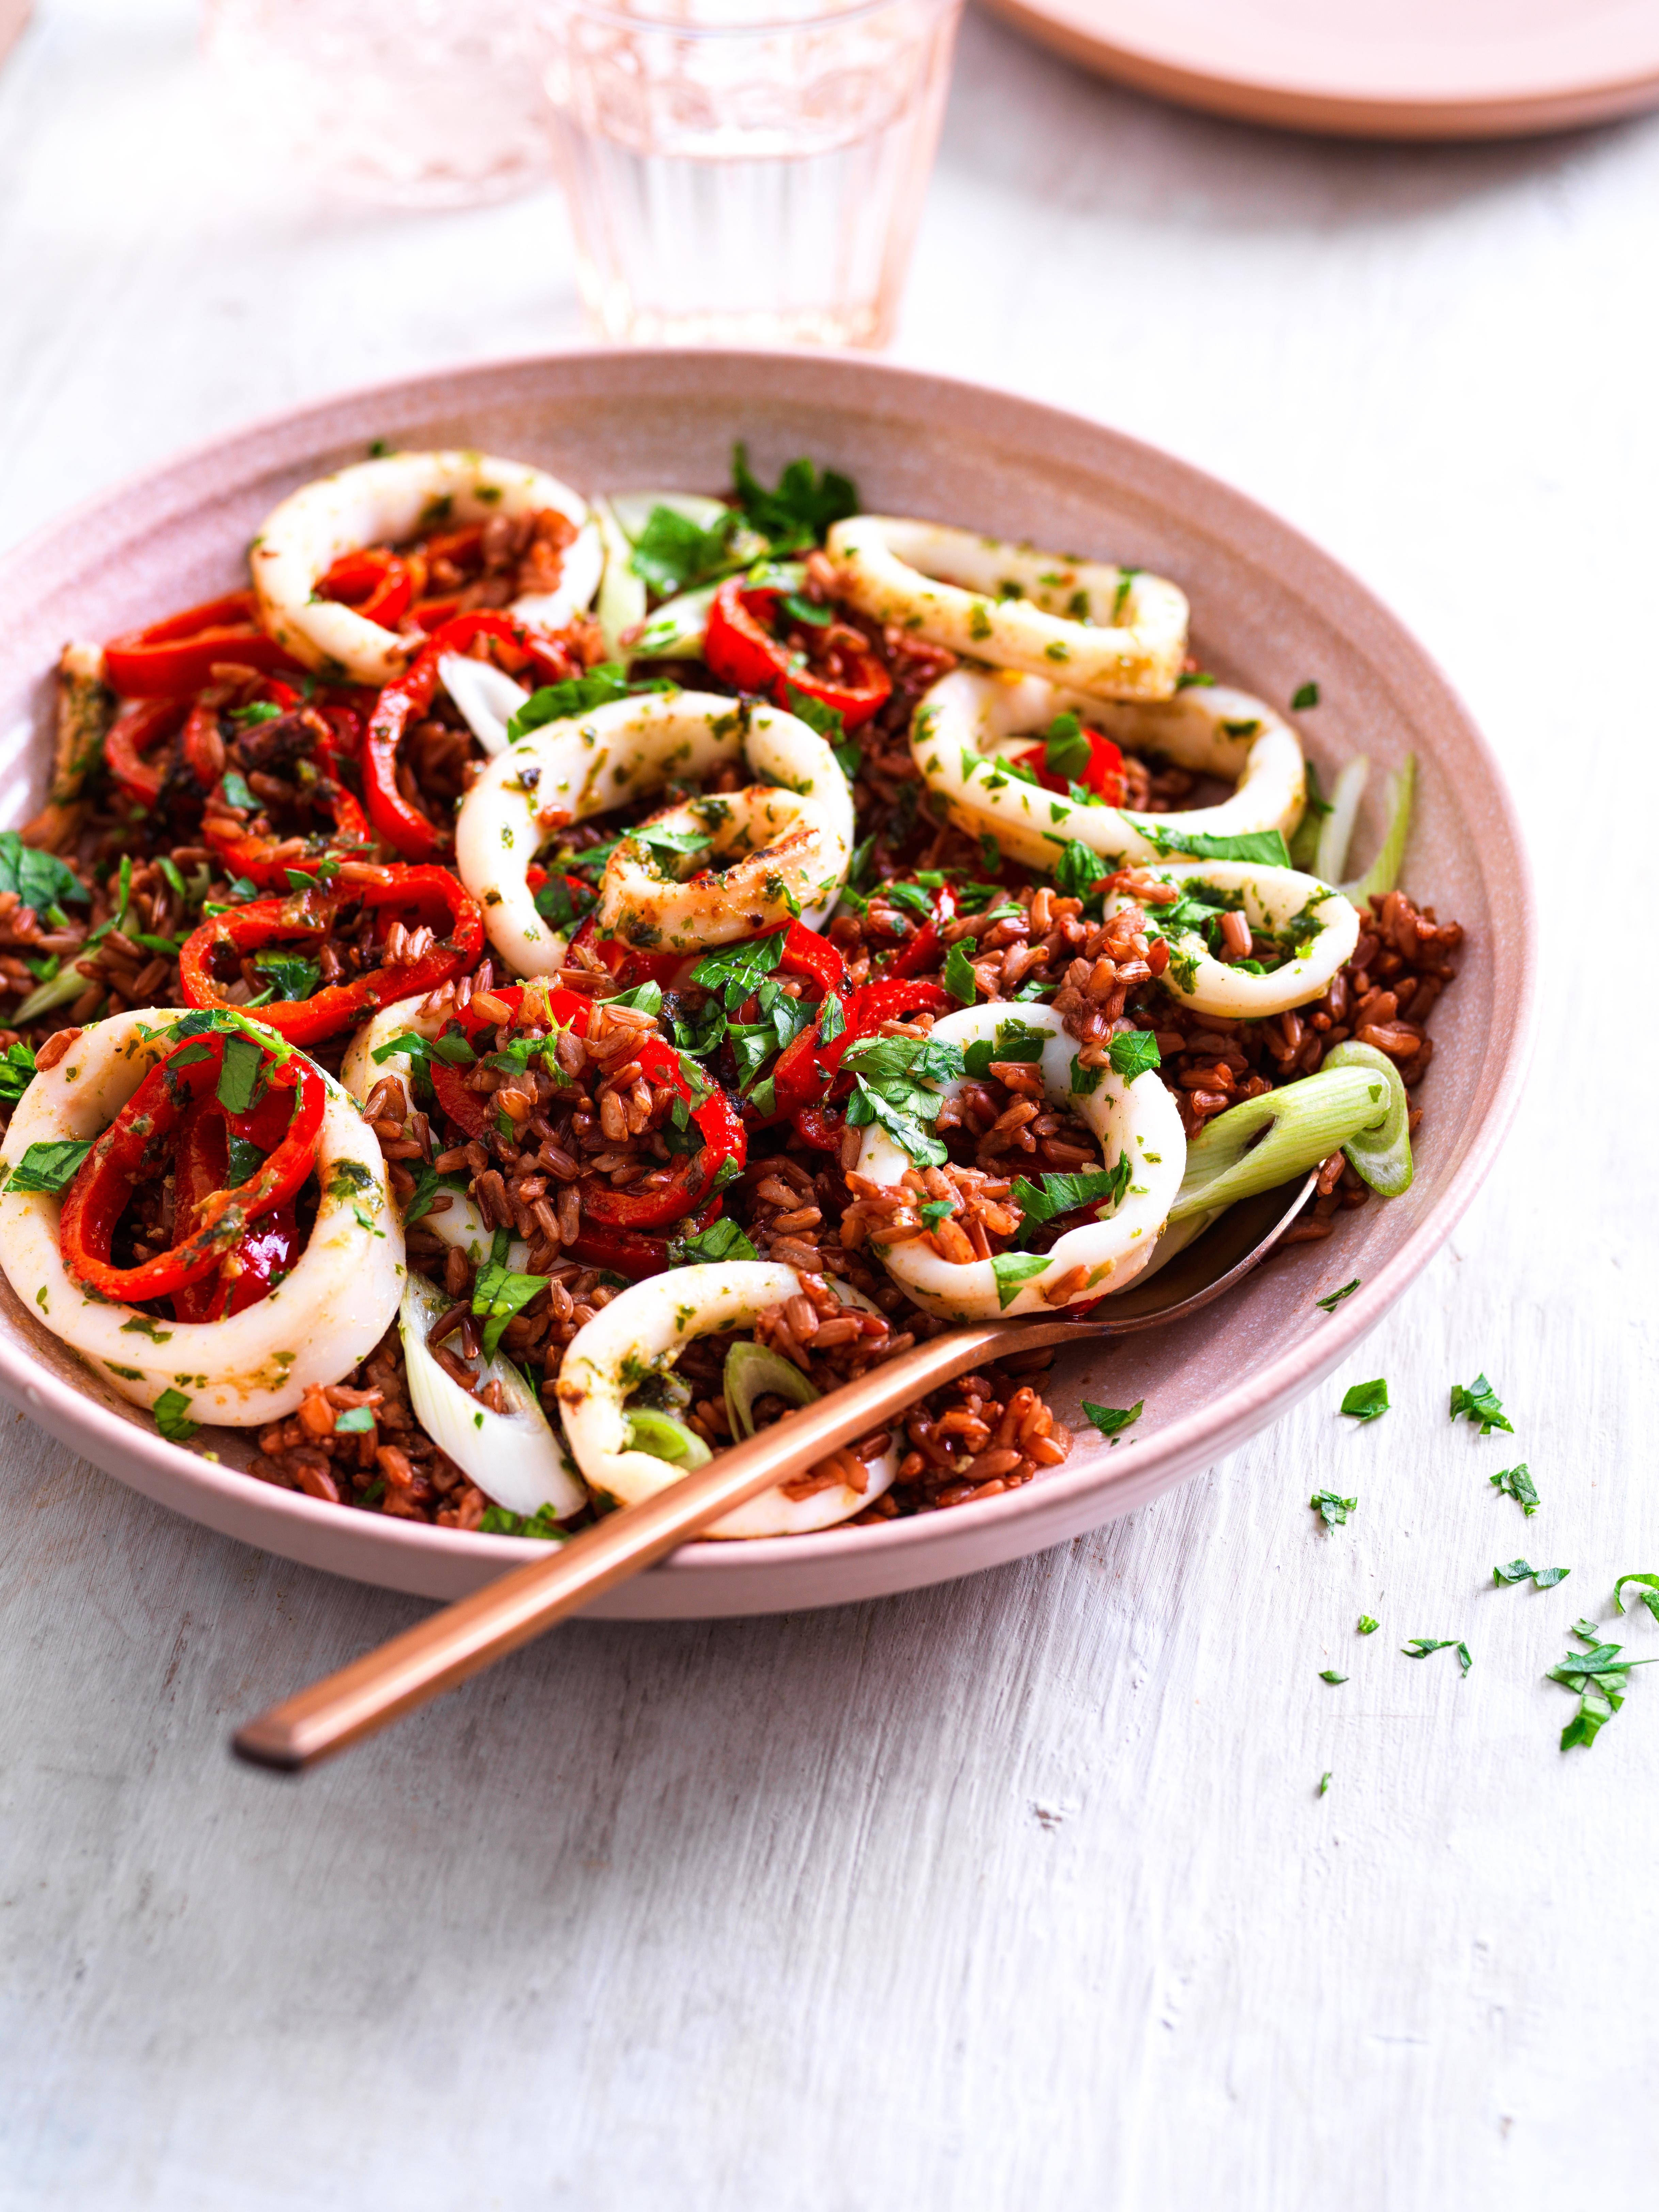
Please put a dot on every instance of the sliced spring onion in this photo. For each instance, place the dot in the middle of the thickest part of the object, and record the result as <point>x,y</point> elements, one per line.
<point>514,1457</point>
<point>664,1438</point>
<point>1304,843</point>
<point>65,986</point>
<point>1384,870</point>
<point>1381,1156</point>
<point>487,697</point>
<point>621,602</point>
<point>752,1372</point>
<point>464,1224</point>
<point>1304,1121</point>
<point>1336,829</point>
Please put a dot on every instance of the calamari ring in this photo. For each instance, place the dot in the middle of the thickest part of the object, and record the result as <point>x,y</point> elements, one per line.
<point>1112,632</point>
<point>254,1366</point>
<point>647,1326</point>
<point>1274,898</point>
<point>381,501</point>
<point>968,719</point>
<point>783,849</point>
<point>1139,1116</point>
<point>588,763</point>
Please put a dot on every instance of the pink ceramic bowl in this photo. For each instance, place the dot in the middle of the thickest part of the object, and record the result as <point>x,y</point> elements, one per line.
<point>1269,611</point>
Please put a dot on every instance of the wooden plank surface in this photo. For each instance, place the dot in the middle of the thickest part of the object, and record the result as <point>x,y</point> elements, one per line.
<point>1018,1891</point>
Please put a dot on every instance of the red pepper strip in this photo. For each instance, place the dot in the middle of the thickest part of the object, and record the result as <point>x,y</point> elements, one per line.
<point>818,1127</point>
<point>1104,775</point>
<point>201,744</point>
<point>407,698</point>
<point>243,930</point>
<point>176,658</point>
<point>99,1194</point>
<point>741,649</point>
<point>462,549</point>
<point>257,858</point>
<point>136,732</point>
<point>806,953</point>
<point>627,964</point>
<point>375,582</point>
<point>926,948</point>
<point>265,1247</point>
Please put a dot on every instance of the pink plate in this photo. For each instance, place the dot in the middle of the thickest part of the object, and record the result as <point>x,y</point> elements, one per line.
<point>1408,69</point>
<point>1270,612</point>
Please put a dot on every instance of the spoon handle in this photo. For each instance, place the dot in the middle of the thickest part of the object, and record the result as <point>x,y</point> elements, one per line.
<point>443,1650</point>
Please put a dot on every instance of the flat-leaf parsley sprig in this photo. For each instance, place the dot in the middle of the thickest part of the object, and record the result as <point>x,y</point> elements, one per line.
<point>1600,1676</point>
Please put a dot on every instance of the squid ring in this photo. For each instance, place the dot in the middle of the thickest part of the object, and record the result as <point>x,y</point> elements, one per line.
<point>390,500</point>
<point>783,850</point>
<point>617,755</point>
<point>646,1327</point>
<point>254,1366</point>
<point>1327,929</point>
<point>968,719</point>
<point>1112,633</point>
<point>1137,1116</point>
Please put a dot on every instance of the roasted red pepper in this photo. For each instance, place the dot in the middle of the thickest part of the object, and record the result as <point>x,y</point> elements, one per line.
<point>431,896</point>
<point>132,739</point>
<point>265,1249</point>
<point>405,826</point>
<point>375,582</point>
<point>741,648</point>
<point>175,659</point>
<point>628,966</point>
<point>926,948</point>
<point>801,1087</point>
<point>133,1145</point>
<point>1104,775</point>
<point>266,861</point>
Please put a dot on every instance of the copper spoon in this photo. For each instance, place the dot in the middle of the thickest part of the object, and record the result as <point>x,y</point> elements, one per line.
<point>443,1650</point>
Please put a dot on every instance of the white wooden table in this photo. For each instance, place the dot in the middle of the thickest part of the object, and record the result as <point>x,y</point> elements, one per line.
<point>1017,1891</point>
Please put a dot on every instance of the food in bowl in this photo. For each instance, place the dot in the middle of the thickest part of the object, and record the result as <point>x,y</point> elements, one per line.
<point>539,987</point>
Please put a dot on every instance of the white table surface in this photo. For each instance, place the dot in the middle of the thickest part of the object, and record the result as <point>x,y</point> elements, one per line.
<point>1017,1891</point>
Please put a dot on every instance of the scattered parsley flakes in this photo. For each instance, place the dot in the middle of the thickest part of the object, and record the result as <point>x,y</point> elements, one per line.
<point>1330,1675</point>
<point>1305,695</point>
<point>672,553</point>
<point>1112,1420</point>
<point>1600,1676</point>
<point>721,1240</point>
<point>1331,1304</point>
<point>1516,1482</point>
<point>1420,1646</point>
<point>50,1167</point>
<point>960,980</point>
<point>1517,1570</point>
<point>1479,1402</point>
<point>801,510</point>
<point>1324,1781</point>
<point>1133,1052</point>
<point>171,1414</point>
<point>1366,1626</point>
<point>1012,1271</point>
<point>1366,1402</point>
<point>356,1421</point>
<point>1647,1596</point>
<point>1331,1510</point>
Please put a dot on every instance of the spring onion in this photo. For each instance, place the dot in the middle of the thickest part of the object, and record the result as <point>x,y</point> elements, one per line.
<point>675,631</point>
<point>621,603</point>
<point>633,510</point>
<point>1384,870</point>
<point>652,1431</point>
<point>65,986</point>
<point>487,697</point>
<point>514,1457</point>
<point>1381,1156</point>
<point>1304,1123</point>
<point>1304,841</point>
<point>1336,831</point>
<point>752,1372</point>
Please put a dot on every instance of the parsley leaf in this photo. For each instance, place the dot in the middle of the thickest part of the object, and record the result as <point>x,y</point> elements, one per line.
<point>1600,1677</point>
<point>721,1240</point>
<point>498,1294</point>
<point>1012,1271</point>
<point>1133,1052</point>
<point>1065,750</point>
<point>672,553</point>
<point>1078,869</point>
<point>1067,1194</point>
<point>39,880</point>
<point>802,508</point>
<point>561,903</point>
<point>1366,1626</point>
<point>1330,1675</point>
<point>1515,1482</point>
<point>960,980</point>
<point>1331,1510</point>
<point>1367,1401</point>
<point>1648,1594</point>
<point>578,695</point>
<point>1266,847</point>
<point>16,1070</point>
<point>171,1413</point>
<point>1014,1040</point>
<point>818,715</point>
<point>653,836</point>
<point>867,1104</point>
<point>1191,677</point>
<point>542,1524</point>
<point>1480,1403</point>
<point>735,970</point>
<point>356,1421</point>
<point>1420,1646</point>
<point>1541,1577</point>
<point>911,1060</point>
<point>290,976</point>
<point>1324,1781</point>
<point>239,1074</point>
<point>49,1167</point>
<point>1111,1420</point>
<point>430,1186</point>
<point>1304,695</point>
<point>1331,1304</point>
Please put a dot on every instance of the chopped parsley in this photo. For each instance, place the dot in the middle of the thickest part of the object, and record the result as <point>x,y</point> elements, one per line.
<point>800,511</point>
<point>1012,1271</point>
<point>39,880</point>
<point>1266,847</point>
<point>1067,751</point>
<point>1304,695</point>
<point>1600,1677</point>
<point>542,1524</point>
<point>1541,1577</point>
<point>1647,1593</point>
<point>1067,1194</point>
<point>672,554</point>
<point>1479,1402</point>
<point>356,1421</point>
<point>171,1416</point>
<point>737,970</point>
<point>288,975</point>
<point>577,694</point>
<point>1133,1052</point>
<point>1014,1040</point>
<point>1515,1482</point>
<point>1331,1304</point>
<point>430,1186</point>
<point>49,1167</point>
<point>721,1240</point>
<point>817,714</point>
<point>16,1071</point>
<point>1367,1401</point>
<point>1078,869</point>
<point>1112,1420</point>
<point>960,980</point>
<point>1330,1675</point>
<point>1331,1510</point>
<point>562,903</point>
<point>1325,1779</point>
<point>239,1074</point>
<point>1420,1646</point>
<point>1365,1625</point>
